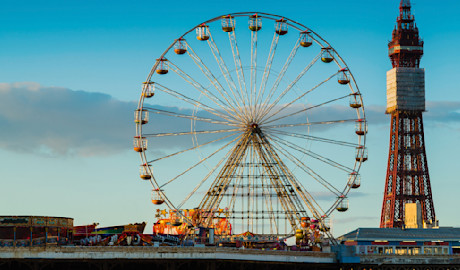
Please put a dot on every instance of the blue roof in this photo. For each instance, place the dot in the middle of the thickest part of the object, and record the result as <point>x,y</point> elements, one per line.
<point>449,234</point>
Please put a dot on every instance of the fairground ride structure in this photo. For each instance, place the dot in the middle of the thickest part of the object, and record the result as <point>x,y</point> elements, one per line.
<point>254,118</point>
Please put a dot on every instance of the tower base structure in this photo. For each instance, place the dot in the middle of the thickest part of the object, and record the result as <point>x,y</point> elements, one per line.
<point>407,179</point>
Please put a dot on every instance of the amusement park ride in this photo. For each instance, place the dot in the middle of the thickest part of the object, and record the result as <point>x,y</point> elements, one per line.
<point>256,132</point>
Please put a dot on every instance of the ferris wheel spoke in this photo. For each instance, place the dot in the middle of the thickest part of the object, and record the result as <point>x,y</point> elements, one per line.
<point>212,78</point>
<point>211,172</point>
<point>308,199</point>
<point>192,132</point>
<point>237,155</point>
<point>203,90</point>
<point>219,102</point>
<point>316,208</point>
<point>191,117</point>
<point>288,154</point>
<point>253,79</point>
<point>268,156</point>
<point>238,67</point>
<point>313,138</point>
<point>300,111</point>
<point>268,65</point>
<point>311,123</point>
<point>237,99</point>
<point>312,154</point>
<point>198,163</point>
<point>279,77</point>
<point>229,117</point>
<point>296,99</point>
<point>192,148</point>
<point>288,88</point>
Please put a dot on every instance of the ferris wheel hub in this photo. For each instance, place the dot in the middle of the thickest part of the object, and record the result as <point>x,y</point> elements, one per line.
<point>254,128</point>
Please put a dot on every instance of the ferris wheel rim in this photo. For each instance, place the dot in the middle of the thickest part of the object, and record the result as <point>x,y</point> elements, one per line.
<point>295,25</point>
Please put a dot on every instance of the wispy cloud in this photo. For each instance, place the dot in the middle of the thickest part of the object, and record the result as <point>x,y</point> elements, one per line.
<point>437,112</point>
<point>59,121</point>
<point>443,111</point>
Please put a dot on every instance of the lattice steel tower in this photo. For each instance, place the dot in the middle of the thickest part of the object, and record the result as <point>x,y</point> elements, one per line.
<point>407,179</point>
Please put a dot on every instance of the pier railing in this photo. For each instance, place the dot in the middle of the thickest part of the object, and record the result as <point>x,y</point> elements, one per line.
<point>152,253</point>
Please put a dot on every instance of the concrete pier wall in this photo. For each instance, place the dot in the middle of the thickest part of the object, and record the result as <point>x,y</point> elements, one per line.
<point>165,258</point>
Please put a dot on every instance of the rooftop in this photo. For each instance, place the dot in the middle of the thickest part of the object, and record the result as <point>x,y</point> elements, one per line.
<point>398,234</point>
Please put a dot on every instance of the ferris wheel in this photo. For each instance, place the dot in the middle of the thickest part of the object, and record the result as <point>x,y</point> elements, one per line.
<point>252,117</point>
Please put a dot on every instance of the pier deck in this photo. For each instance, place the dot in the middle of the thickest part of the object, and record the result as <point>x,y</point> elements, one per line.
<point>164,258</point>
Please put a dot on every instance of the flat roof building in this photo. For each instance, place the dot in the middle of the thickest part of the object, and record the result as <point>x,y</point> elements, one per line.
<point>368,244</point>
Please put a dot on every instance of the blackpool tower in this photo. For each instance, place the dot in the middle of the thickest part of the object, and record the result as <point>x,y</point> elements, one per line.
<point>407,180</point>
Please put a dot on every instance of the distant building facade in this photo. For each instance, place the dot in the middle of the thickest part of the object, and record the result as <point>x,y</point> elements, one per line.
<point>369,244</point>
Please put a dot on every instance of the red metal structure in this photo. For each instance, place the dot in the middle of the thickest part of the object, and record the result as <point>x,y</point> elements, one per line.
<point>407,179</point>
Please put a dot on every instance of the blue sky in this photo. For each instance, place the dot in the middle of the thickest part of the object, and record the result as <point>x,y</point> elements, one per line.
<point>70,76</point>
